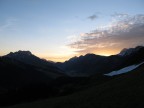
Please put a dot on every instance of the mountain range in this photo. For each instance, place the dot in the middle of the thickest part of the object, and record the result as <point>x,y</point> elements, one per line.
<point>91,64</point>
<point>25,77</point>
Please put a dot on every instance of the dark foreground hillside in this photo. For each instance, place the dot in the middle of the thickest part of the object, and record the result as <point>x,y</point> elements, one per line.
<point>124,91</point>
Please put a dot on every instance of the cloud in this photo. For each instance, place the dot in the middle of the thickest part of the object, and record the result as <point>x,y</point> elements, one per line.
<point>9,23</point>
<point>120,15</point>
<point>93,17</point>
<point>125,32</point>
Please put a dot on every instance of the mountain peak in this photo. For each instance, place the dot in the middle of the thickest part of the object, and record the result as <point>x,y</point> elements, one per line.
<point>128,51</point>
<point>24,52</point>
<point>20,52</point>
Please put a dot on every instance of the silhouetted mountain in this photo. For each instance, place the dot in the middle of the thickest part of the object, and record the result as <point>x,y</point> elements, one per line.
<point>91,64</point>
<point>128,51</point>
<point>27,77</point>
<point>83,65</point>
<point>28,58</point>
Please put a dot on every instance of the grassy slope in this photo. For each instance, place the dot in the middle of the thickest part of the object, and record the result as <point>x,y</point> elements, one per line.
<point>124,91</point>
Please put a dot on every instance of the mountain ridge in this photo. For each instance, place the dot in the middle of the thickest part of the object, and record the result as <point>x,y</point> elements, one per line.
<point>86,65</point>
<point>128,51</point>
<point>91,64</point>
<point>27,77</point>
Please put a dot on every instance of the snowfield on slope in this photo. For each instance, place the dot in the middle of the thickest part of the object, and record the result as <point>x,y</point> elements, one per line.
<point>123,70</point>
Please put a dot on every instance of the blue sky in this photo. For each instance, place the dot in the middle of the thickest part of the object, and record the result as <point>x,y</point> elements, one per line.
<point>47,27</point>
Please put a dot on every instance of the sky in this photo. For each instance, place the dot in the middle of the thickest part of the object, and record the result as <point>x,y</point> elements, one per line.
<point>60,29</point>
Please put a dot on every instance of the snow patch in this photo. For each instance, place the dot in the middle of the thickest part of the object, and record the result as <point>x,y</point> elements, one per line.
<point>123,70</point>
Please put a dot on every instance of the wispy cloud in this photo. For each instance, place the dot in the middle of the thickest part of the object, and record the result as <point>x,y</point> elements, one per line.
<point>126,31</point>
<point>120,15</point>
<point>8,24</point>
<point>93,17</point>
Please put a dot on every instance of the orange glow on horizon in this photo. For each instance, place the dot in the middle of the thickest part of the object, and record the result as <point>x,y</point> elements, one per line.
<point>63,58</point>
<point>57,59</point>
<point>107,51</point>
<point>67,54</point>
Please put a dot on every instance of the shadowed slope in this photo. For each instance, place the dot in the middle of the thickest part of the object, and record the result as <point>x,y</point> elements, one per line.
<point>124,91</point>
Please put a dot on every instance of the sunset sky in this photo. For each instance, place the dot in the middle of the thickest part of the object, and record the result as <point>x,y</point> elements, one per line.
<point>60,29</point>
